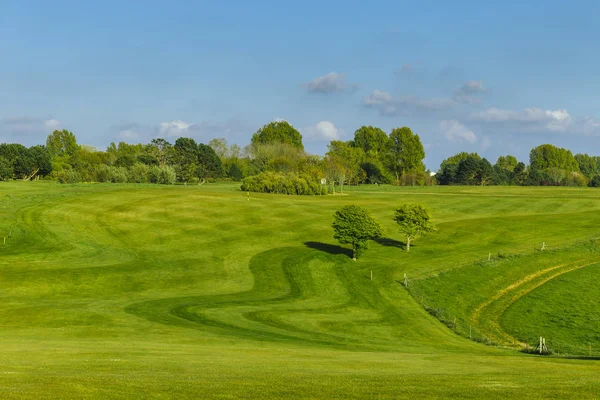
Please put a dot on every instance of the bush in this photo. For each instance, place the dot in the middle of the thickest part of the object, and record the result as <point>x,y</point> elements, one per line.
<point>138,173</point>
<point>595,182</point>
<point>164,175</point>
<point>101,173</point>
<point>276,182</point>
<point>117,174</point>
<point>576,179</point>
<point>68,176</point>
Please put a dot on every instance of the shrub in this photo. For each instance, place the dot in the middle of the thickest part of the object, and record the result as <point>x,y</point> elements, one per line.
<point>138,173</point>
<point>117,174</point>
<point>595,182</point>
<point>101,173</point>
<point>277,182</point>
<point>68,176</point>
<point>164,175</point>
<point>576,179</point>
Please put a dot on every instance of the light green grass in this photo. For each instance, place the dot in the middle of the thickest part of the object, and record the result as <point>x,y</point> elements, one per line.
<point>141,291</point>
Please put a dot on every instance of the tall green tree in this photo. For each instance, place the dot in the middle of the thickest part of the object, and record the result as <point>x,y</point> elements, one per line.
<point>587,165</point>
<point>209,163</point>
<point>219,145</point>
<point>61,143</point>
<point>414,221</point>
<point>406,152</point>
<point>507,163</point>
<point>160,149</point>
<point>186,158</point>
<point>347,160</point>
<point>355,226</point>
<point>278,132</point>
<point>549,164</point>
<point>373,141</point>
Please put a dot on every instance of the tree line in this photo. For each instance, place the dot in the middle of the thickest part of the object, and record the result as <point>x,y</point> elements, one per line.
<point>275,161</point>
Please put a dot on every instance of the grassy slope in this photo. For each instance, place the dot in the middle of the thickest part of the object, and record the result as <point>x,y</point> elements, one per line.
<point>564,310</point>
<point>147,291</point>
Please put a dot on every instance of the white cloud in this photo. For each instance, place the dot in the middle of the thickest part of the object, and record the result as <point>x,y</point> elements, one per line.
<point>455,131</point>
<point>52,123</point>
<point>323,130</point>
<point>530,119</point>
<point>390,106</point>
<point>175,128</point>
<point>329,83</point>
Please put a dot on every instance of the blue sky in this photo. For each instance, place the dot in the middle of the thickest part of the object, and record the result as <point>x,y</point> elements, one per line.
<point>492,77</point>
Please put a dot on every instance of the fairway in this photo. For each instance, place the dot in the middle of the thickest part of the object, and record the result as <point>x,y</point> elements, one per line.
<point>201,291</point>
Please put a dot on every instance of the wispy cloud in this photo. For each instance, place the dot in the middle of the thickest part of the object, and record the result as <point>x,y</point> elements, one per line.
<point>27,130</point>
<point>388,105</point>
<point>330,83</point>
<point>528,120</point>
<point>468,93</point>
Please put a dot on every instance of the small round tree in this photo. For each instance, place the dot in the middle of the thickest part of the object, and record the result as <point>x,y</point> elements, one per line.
<point>355,226</point>
<point>414,221</point>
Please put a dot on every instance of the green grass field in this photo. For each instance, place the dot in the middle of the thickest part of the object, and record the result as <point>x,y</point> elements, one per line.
<point>141,291</point>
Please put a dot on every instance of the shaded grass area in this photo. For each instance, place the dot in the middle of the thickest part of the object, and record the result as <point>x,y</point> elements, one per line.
<point>141,291</point>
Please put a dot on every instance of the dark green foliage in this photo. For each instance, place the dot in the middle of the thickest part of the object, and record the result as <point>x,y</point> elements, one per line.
<point>375,171</point>
<point>355,226</point>
<point>468,171</point>
<point>235,173</point>
<point>278,132</point>
<point>209,163</point>
<point>126,160</point>
<point>448,172</point>
<point>194,160</point>
<point>280,183</point>
<point>6,171</point>
<point>595,181</point>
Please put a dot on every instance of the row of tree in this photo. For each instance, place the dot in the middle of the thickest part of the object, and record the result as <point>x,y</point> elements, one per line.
<point>372,156</point>
<point>548,166</point>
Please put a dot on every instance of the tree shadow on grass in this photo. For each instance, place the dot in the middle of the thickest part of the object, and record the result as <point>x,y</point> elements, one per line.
<point>329,248</point>
<point>391,243</point>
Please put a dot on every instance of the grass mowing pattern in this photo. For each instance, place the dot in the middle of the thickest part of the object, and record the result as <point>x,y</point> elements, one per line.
<point>141,291</point>
<point>565,310</point>
<point>485,291</point>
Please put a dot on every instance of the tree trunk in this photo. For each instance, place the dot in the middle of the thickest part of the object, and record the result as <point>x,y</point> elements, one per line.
<point>353,251</point>
<point>408,243</point>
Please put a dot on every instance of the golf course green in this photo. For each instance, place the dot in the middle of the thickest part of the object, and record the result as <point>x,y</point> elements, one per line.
<point>132,291</point>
